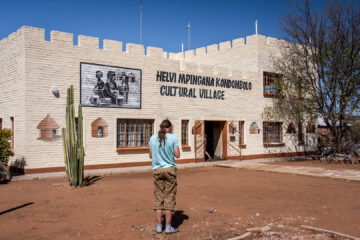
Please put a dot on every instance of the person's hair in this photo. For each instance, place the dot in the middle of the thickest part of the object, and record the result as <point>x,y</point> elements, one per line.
<point>162,132</point>
<point>99,74</point>
<point>110,73</point>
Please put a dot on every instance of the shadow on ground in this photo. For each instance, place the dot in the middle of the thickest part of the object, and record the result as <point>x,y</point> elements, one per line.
<point>178,218</point>
<point>90,180</point>
<point>16,208</point>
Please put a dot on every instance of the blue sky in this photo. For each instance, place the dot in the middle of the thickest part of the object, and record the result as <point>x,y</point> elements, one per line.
<point>164,21</point>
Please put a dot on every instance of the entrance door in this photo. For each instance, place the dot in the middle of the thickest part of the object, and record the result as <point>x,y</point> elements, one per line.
<point>215,140</point>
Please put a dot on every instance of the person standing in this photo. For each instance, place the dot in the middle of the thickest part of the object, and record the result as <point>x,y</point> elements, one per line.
<point>164,146</point>
<point>111,87</point>
<point>100,85</point>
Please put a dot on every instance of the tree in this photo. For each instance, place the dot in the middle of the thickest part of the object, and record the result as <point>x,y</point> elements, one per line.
<point>5,146</point>
<point>319,66</point>
<point>355,132</point>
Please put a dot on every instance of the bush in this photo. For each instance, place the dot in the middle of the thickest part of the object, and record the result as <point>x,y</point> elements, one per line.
<point>17,167</point>
<point>5,145</point>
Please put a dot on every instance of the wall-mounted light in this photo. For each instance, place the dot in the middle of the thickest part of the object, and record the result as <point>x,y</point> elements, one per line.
<point>55,91</point>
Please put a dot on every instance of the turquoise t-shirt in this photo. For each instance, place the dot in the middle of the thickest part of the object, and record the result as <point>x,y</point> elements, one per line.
<point>163,156</point>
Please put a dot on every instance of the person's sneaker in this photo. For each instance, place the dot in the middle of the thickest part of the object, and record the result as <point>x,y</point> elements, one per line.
<point>158,229</point>
<point>171,230</point>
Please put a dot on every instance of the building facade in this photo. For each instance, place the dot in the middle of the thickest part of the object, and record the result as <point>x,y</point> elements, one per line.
<point>214,96</point>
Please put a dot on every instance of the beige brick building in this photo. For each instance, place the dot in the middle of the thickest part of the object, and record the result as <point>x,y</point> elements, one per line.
<point>214,95</point>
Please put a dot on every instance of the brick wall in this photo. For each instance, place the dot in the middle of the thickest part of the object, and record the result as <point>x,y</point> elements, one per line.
<point>12,86</point>
<point>41,65</point>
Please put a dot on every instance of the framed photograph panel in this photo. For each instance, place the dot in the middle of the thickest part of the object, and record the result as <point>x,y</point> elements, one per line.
<point>109,86</point>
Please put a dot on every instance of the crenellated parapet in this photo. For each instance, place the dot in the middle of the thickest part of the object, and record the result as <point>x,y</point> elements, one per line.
<point>250,43</point>
<point>186,60</point>
<point>64,38</point>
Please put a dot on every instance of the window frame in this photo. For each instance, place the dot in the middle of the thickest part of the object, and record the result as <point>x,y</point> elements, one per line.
<point>185,132</point>
<point>278,130</point>
<point>242,134</point>
<point>12,119</point>
<point>301,135</point>
<point>133,148</point>
<point>269,84</point>
<point>310,128</point>
<point>291,129</point>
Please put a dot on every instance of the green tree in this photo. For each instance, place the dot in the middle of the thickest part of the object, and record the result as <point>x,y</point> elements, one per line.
<point>5,145</point>
<point>319,66</point>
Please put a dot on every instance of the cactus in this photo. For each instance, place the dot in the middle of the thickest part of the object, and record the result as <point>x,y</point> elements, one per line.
<point>73,145</point>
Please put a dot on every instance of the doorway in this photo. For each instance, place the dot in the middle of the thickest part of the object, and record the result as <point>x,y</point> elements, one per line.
<point>215,146</point>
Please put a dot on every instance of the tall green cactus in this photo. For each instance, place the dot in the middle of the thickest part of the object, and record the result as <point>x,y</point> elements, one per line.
<point>73,145</point>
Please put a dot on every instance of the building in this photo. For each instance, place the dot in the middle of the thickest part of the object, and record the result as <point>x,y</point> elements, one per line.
<point>325,136</point>
<point>214,95</point>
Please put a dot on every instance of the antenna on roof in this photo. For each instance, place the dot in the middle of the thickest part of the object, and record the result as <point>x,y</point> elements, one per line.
<point>182,47</point>
<point>188,27</point>
<point>141,8</point>
<point>256,27</point>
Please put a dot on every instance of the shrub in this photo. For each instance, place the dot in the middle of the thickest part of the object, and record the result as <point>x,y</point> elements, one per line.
<point>5,145</point>
<point>17,167</point>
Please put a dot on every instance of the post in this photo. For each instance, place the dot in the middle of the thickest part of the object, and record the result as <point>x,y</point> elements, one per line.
<point>256,27</point>
<point>141,8</point>
<point>188,27</point>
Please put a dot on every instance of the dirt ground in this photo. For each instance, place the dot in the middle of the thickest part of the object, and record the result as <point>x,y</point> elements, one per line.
<point>318,163</point>
<point>212,203</point>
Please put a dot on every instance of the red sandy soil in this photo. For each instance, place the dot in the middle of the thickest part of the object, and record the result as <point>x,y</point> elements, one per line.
<point>318,163</point>
<point>120,206</point>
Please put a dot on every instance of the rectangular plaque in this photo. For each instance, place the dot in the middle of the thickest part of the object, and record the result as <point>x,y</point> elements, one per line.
<point>109,86</point>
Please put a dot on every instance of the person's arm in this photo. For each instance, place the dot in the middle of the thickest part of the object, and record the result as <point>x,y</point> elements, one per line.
<point>150,150</point>
<point>176,147</point>
<point>177,152</point>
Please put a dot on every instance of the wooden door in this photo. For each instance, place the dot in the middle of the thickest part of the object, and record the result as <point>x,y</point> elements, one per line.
<point>199,141</point>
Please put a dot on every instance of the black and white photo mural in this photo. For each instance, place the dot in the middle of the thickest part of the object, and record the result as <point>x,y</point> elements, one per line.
<point>109,86</point>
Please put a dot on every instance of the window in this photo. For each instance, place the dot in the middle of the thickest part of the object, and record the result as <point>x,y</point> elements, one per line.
<point>0,123</point>
<point>99,128</point>
<point>291,129</point>
<point>12,134</point>
<point>54,133</point>
<point>184,132</point>
<point>272,133</point>
<point>310,128</point>
<point>100,131</point>
<point>134,133</point>
<point>241,132</point>
<point>270,85</point>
